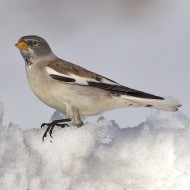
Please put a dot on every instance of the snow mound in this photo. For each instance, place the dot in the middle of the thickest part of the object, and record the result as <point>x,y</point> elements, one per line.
<point>153,155</point>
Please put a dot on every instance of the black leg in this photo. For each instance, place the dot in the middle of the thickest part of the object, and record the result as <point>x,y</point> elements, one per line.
<point>51,126</point>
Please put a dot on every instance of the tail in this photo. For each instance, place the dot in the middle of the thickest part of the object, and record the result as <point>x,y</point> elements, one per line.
<point>152,103</point>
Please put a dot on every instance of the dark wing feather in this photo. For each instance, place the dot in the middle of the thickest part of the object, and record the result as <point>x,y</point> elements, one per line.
<point>62,79</point>
<point>122,90</point>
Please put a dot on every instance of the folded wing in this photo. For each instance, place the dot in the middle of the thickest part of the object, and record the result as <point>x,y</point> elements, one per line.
<point>67,72</point>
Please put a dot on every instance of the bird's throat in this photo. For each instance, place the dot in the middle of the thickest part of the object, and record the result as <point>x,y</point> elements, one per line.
<point>28,61</point>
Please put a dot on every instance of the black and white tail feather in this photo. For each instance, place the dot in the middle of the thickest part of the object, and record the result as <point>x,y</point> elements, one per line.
<point>153,103</point>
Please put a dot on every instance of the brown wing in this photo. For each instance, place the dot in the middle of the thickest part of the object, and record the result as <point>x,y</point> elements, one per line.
<point>65,67</point>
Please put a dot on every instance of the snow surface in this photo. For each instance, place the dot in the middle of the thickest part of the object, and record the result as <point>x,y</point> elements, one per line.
<point>155,155</point>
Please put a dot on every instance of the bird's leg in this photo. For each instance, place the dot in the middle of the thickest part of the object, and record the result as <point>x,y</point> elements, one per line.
<point>51,126</point>
<point>74,113</point>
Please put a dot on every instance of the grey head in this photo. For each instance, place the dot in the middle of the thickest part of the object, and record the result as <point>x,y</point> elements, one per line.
<point>34,48</point>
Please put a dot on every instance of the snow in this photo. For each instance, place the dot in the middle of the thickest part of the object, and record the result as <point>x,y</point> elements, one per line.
<point>153,155</point>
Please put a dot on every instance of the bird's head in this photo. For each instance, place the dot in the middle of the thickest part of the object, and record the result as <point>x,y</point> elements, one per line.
<point>33,46</point>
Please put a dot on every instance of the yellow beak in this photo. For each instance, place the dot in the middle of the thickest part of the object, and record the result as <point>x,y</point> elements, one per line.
<point>22,46</point>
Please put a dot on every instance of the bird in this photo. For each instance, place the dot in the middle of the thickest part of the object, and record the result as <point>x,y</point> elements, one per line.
<point>76,91</point>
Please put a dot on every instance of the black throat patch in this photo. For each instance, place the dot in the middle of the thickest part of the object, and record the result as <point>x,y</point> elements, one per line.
<point>28,61</point>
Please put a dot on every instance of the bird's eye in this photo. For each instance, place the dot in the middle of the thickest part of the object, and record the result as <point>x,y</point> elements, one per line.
<point>35,42</point>
<point>30,42</point>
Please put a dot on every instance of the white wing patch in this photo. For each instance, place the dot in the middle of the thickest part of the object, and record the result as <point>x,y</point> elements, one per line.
<point>51,71</point>
<point>78,79</point>
<point>106,81</point>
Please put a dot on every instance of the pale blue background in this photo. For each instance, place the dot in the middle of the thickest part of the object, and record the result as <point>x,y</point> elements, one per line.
<point>142,44</point>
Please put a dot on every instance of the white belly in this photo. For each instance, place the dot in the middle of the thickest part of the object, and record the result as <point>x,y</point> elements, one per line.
<point>61,96</point>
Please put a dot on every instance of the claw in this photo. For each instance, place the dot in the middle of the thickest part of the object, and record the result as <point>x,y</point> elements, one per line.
<point>43,124</point>
<point>45,134</point>
<point>52,125</point>
<point>51,130</point>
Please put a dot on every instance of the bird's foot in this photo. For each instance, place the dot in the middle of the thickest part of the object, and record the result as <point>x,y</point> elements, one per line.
<point>51,126</point>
